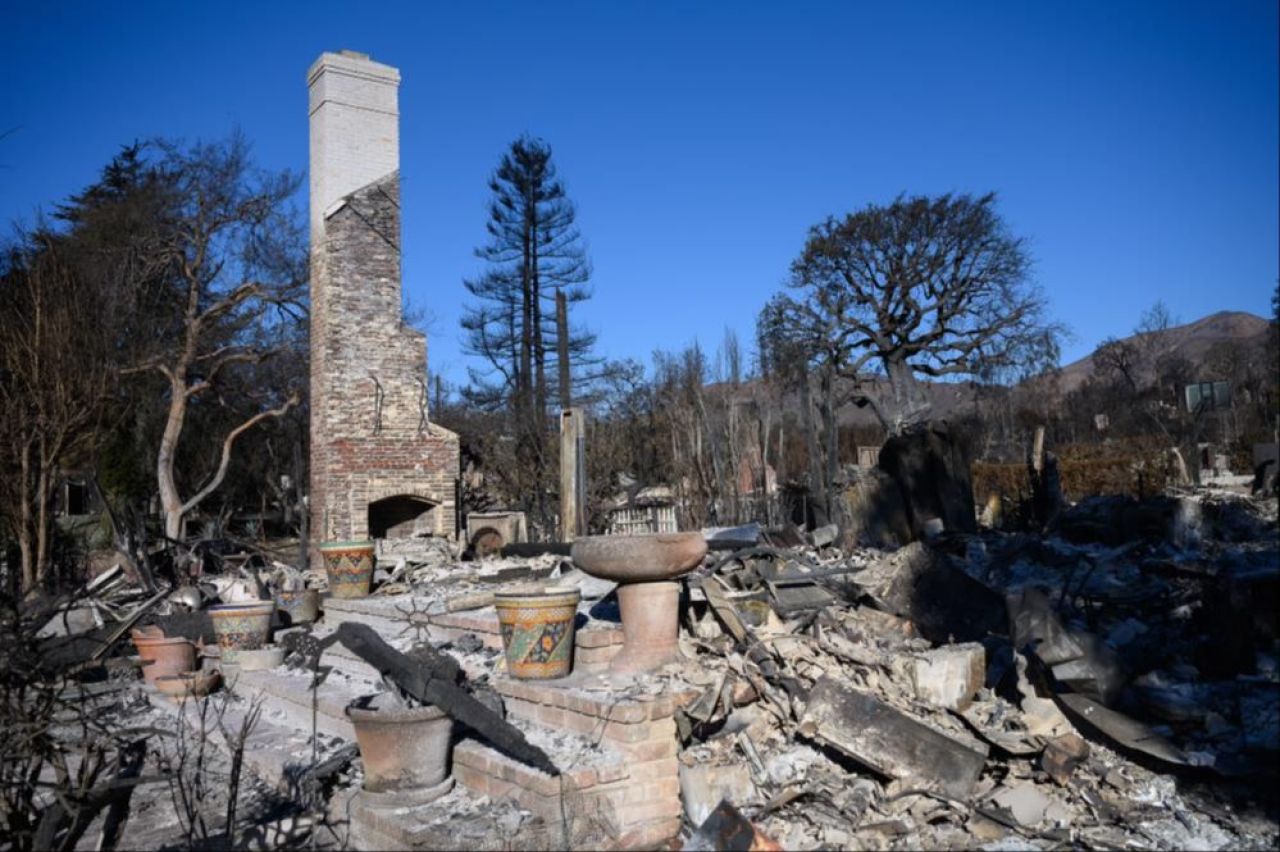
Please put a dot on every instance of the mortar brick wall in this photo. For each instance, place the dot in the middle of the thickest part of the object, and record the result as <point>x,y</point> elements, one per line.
<point>368,369</point>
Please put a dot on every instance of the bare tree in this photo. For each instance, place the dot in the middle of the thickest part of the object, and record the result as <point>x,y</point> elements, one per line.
<point>56,374</point>
<point>932,287</point>
<point>234,252</point>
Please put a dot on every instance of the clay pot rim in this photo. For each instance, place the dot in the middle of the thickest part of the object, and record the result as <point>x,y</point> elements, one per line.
<point>193,681</point>
<point>242,608</point>
<point>394,716</point>
<point>347,545</point>
<point>549,596</point>
<point>151,641</point>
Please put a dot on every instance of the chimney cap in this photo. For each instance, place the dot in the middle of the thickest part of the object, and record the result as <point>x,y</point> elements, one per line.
<point>354,54</point>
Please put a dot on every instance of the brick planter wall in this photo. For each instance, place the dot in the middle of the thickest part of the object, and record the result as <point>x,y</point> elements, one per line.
<point>630,800</point>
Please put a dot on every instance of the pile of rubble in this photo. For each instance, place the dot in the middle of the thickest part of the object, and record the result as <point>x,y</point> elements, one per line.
<point>1113,685</point>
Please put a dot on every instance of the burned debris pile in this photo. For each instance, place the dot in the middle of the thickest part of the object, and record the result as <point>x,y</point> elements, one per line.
<point>1111,683</point>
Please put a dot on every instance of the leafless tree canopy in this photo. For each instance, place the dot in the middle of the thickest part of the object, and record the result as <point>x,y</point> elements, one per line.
<point>932,287</point>
<point>234,256</point>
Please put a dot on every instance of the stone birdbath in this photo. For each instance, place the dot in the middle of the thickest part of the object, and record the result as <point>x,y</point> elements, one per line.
<point>645,568</point>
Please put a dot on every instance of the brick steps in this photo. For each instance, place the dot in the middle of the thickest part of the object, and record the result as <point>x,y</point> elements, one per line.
<point>287,698</point>
<point>272,750</point>
<point>624,795</point>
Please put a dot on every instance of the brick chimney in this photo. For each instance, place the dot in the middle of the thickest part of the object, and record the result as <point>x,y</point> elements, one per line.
<point>379,467</point>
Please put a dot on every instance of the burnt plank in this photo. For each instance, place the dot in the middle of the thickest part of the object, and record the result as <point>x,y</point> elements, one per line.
<point>889,741</point>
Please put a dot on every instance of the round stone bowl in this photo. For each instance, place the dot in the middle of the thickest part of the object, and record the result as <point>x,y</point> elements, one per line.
<point>639,558</point>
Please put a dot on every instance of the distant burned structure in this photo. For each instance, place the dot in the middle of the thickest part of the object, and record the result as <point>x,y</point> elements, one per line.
<point>379,467</point>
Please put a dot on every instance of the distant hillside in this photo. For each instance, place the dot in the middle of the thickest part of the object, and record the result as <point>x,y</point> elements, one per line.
<point>1191,341</point>
<point>951,399</point>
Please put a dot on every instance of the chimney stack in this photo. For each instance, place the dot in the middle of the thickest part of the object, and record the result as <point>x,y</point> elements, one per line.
<point>355,128</point>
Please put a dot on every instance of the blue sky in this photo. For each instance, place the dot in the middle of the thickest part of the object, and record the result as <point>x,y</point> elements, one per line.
<point>1134,145</point>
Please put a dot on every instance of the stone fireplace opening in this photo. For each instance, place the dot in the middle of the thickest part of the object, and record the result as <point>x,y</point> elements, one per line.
<point>401,516</point>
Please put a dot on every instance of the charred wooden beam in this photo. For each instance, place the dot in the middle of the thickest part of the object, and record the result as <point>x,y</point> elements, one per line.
<point>431,680</point>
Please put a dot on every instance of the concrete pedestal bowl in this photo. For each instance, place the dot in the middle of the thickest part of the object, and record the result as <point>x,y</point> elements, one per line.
<point>645,568</point>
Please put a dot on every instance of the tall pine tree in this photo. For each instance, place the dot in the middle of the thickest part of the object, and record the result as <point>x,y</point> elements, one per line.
<point>536,269</point>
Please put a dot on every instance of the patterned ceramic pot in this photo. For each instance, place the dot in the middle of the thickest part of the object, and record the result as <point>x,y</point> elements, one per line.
<point>163,656</point>
<point>349,566</point>
<point>241,627</point>
<point>537,631</point>
<point>298,607</point>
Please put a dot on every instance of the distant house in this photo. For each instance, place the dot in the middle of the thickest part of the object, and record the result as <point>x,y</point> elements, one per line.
<point>74,496</point>
<point>649,510</point>
<point>868,456</point>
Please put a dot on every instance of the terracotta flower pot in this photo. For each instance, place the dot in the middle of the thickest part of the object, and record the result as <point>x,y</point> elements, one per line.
<point>537,631</point>
<point>161,655</point>
<point>298,607</point>
<point>241,626</point>
<point>349,566</point>
<point>403,748</point>
<point>188,684</point>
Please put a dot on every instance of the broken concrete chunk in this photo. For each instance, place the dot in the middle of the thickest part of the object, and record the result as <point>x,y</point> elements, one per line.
<point>949,676</point>
<point>889,741</point>
<point>1062,755</point>
<point>703,787</point>
<point>1025,801</point>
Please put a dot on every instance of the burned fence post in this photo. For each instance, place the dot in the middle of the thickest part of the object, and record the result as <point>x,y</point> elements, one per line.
<point>573,476</point>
